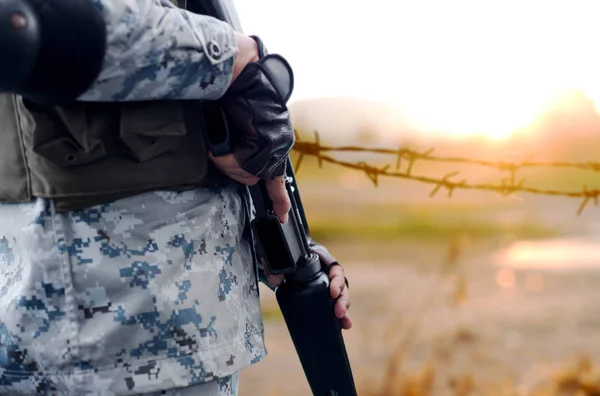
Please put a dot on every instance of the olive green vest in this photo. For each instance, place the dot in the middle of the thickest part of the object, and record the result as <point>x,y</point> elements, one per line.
<point>90,153</point>
<point>84,154</point>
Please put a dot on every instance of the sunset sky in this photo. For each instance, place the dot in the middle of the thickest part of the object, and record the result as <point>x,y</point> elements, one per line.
<point>461,66</point>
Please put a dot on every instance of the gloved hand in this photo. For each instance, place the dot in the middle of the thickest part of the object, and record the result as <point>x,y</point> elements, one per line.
<point>253,111</point>
<point>249,129</point>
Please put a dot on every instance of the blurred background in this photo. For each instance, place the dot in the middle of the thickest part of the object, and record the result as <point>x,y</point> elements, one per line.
<point>489,291</point>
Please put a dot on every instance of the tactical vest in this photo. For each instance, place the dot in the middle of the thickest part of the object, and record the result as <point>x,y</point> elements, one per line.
<point>84,154</point>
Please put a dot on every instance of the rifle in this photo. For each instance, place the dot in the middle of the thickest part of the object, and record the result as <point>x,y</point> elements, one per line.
<point>303,297</point>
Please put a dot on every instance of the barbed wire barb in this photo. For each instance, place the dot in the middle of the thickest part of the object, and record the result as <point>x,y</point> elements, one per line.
<point>507,186</point>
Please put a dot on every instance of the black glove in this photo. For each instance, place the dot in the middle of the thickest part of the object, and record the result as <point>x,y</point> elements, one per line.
<point>255,124</point>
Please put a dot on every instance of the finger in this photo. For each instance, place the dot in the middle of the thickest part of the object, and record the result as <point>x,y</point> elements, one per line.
<point>274,280</point>
<point>342,305</point>
<point>337,286</point>
<point>229,165</point>
<point>346,323</point>
<point>337,281</point>
<point>245,179</point>
<point>221,161</point>
<point>279,197</point>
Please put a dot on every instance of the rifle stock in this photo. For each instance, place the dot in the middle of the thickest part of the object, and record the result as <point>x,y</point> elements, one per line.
<point>304,296</point>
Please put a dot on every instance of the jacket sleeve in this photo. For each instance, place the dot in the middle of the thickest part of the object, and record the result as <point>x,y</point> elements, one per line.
<point>157,51</point>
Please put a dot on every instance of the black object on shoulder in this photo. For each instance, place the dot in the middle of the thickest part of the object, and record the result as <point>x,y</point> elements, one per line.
<point>20,43</point>
<point>51,51</point>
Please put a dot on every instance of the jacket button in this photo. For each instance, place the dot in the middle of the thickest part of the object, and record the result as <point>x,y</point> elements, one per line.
<point>214,51</point>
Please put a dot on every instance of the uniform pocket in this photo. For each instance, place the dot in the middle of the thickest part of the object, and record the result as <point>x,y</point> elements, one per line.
<point>150,129</point>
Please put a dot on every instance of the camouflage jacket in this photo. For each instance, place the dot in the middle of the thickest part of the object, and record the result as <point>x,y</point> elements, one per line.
<point>148,293</point>
<point>159,51</point>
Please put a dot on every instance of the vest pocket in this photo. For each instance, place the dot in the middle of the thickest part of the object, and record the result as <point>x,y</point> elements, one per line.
<point>82,133</point>
<point>150,129</point>
<point>70,136</point>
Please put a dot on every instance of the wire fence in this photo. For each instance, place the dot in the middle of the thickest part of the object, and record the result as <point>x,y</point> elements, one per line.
<point>405,160</point>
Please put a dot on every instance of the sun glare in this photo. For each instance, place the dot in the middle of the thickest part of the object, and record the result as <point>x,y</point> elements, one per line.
<point>462,67</point>
<point>491,67</point>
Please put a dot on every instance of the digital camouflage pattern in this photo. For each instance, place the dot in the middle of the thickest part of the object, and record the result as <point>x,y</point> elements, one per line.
<point>227,386</point>
<point>159,51</point>
<point>153,294</point>
<point>145,294</point>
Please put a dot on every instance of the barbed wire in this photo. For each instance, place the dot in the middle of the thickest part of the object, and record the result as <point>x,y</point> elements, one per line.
<point>507,186</point>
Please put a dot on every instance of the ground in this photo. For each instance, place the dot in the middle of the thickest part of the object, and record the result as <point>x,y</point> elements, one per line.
<point>496,298</point>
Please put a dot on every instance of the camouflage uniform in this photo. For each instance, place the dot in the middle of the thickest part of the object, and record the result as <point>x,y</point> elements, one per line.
<point>152,293</point>
<point>159,51</point>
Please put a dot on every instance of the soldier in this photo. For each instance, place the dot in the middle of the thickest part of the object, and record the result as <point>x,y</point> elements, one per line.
<point>126,258</point>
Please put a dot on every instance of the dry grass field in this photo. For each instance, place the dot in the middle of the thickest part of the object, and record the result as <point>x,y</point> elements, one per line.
<point>474,295</point>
